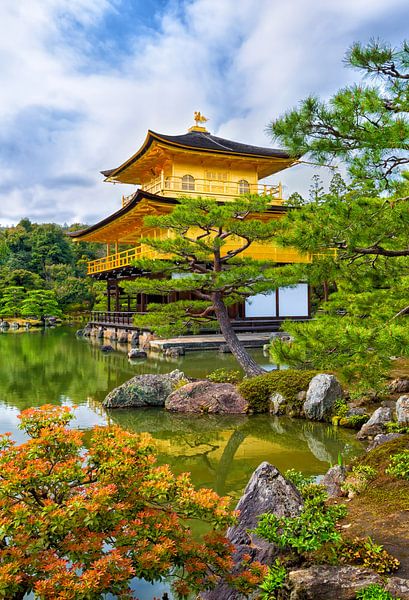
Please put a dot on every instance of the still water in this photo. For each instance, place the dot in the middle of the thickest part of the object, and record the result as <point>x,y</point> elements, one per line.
<point>220,452</point>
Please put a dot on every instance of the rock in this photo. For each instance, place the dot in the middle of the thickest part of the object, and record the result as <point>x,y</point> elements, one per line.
<point>174,352</point>
<point>402,409</point>
<point>224,349</point>
<point>5,325</point>
<point>354,411</point>
<point>207,397</point>
<point>376,423</point>
<point>123,338</point>
<point>301,396</point>
<point>333,480</point>
<point>324,582</point>
<point>14,326</point>
<point>100,333</point>
<point>399,386</point>
<point>398,587</point>
<point>143,390</point>
<point>135,353</point>
<point>134,339</point>
<point>277,404</point>
<point>107,348</point>
<point>267,491</point>
<point>322,393</point>
<point>382,438</point>
<point>78,333</point>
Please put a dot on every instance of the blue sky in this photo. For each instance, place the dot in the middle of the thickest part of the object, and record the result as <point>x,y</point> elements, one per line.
<point>82,80</point>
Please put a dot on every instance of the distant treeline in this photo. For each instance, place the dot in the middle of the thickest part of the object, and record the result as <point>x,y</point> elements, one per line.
<point>42,258</point>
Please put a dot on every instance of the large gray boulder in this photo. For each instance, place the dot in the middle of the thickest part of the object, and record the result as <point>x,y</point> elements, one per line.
<point>322,393</point>
<point>266,492</point>
<point>402,409</point>
<point>398,587</point>
<point>207,397</point>
<point>324,582</point>
<point>144,390</point>
<point>376,423</point>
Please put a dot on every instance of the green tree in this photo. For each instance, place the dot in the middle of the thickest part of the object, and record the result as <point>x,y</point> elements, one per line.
<point>358,231</point>
<point>40,303</point>
<point>12,301</point>
<point>200,263</point>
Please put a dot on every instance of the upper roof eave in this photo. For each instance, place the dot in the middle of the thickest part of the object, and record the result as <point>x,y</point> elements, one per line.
<point>202,142</point>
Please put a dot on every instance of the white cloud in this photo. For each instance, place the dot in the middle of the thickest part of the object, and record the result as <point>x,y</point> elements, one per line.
<point>241,63</point>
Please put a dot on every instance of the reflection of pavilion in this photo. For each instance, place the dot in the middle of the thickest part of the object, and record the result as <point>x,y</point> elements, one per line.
<point>222,452</point>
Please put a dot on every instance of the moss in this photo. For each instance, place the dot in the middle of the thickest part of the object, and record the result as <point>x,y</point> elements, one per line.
<point>353,422</point>
<point>386,494</point>
<point>258,390</point>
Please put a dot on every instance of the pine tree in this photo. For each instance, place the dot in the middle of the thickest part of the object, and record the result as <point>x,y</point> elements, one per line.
<point>359,231</point>
<point>199,258</point>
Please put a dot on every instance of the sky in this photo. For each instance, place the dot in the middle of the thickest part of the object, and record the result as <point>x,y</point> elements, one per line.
<point>81,81</point>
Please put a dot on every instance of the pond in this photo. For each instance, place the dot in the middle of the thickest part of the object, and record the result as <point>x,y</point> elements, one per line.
<point>221,452</point>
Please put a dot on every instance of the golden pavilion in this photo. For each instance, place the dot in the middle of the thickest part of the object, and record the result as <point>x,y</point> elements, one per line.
<point>196,163</point>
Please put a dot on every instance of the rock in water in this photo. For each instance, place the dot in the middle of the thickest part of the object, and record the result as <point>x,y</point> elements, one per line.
<point>143,390</point>
<point>322,393</point>
<point>402,409</point>
<point>267,491</point>
<point>382,438</point>
<point>376,423</point>
<point>135,353</point>
<point>207,397</point>
<point>277,404</point>
<point>328,583</point>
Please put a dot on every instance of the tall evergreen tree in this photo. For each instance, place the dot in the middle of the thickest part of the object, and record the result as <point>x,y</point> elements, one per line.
<point>199,258</point>
<point>358,232</point>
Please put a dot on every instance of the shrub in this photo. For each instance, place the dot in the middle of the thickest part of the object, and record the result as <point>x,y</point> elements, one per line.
<point>364,551</point>
<point>354,421</point>
<point>373,592</point>
<point>395,427</point>
<point>225,376</point>
<point>79,523</point>
<point>399,465</point>
<point>258,390</point>
<point>298,479</point>
<point>275,579</point>
<point>309,531</point>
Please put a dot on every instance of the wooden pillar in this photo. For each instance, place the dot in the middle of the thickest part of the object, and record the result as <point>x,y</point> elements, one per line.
<point>277,303</point>
<point>143,302</point>
<point>117,306</point>
<point>108,295</point>
<point>108,249</point>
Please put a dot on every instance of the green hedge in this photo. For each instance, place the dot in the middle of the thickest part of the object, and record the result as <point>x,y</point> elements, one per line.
<point>258,390</point>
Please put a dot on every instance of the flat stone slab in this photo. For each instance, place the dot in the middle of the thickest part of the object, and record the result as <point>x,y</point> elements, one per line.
<point>208,342</point>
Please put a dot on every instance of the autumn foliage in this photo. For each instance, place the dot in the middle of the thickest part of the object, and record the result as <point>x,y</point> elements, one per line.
<point>77,523</point>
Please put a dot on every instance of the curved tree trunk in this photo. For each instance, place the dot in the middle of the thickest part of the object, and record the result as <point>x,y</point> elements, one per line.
<point>247,363</point>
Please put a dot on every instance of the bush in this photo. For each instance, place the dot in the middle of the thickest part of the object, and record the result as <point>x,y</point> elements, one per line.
<point>310,530</point>
<point>395,427</point>
<point>399,465</point>
<point>275,579</point>
<point>354,421</point>
<point>359,478</point>
<point>225,376</point>
<point>258,390</point>
<point>373,592</point>
<point>364,551</point>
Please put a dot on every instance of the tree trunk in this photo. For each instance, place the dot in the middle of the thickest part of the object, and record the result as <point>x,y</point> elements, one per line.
<point>248,364</point>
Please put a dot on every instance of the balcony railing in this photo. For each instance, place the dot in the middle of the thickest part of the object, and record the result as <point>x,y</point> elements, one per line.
<point>121,259</point>
<point>169,185</point>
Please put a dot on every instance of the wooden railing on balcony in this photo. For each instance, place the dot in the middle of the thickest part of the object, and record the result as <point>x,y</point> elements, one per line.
<point>112,317</point>
<point>167,186</point>
<point>121,259</point>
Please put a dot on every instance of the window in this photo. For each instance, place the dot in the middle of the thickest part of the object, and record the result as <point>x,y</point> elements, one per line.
<point>188,183</point>
<point>244,186</point>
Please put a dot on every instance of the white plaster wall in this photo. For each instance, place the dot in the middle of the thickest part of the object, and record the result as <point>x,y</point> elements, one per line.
<point>293,301</point>
<point>261,305</point>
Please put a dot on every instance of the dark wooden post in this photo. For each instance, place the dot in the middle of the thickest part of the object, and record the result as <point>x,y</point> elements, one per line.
<point>108,295</point>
